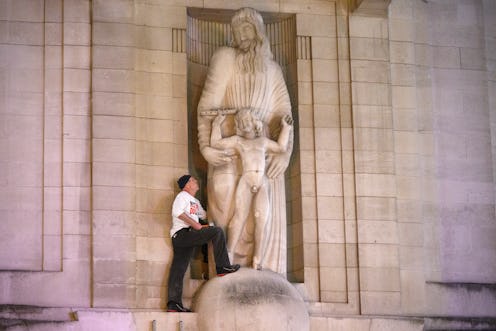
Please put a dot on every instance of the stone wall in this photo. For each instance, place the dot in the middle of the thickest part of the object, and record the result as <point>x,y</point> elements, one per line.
<point>428,183</point>
<point>490,46</point>
<point>46,153</point>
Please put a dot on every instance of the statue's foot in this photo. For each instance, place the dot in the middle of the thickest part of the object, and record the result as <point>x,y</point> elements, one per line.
<point>257,266</point>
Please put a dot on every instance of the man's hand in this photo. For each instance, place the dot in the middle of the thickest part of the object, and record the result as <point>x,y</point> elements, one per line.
<point>217,157</point>
<point>191,222</point>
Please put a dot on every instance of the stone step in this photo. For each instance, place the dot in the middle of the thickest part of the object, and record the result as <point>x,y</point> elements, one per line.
<point>31,318</point>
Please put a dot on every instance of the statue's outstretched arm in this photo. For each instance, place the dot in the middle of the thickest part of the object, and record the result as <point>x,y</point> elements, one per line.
<point>281,145</point>
<point>281,107</point>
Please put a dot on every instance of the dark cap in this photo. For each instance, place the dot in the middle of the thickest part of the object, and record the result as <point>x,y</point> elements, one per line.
<point>183,180</point>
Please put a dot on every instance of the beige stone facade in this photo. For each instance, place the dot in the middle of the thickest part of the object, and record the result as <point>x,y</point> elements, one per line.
<point>391,205</point>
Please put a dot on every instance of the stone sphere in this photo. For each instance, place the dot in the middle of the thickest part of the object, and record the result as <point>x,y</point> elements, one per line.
<point>250,300</point>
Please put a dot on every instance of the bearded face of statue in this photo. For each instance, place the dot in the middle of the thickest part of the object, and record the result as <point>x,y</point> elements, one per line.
<point>250,40</point>
<point>250,58</point>
<point>245,36</point>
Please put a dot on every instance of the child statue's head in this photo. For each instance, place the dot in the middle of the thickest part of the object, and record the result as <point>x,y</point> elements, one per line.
<point>248,123</point>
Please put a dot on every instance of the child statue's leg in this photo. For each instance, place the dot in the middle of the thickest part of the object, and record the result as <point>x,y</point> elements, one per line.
<point>261,213</point>
<point>241,211</point>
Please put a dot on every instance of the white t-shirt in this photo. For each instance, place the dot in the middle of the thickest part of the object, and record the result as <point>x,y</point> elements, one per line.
<point>185,203</point>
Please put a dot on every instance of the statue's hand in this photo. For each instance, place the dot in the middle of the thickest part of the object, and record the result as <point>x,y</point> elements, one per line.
<point>286,121</point>
<point>219,119</point>
<point>277,165</point>
<point>217,157</point>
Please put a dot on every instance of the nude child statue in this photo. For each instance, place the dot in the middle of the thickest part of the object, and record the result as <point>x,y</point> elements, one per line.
<point>253,187</point>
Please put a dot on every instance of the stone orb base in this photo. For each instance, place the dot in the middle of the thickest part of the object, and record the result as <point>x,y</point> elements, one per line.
<point>251,300</point>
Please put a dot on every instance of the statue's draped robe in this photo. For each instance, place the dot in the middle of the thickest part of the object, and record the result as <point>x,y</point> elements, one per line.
<point>266,93</point>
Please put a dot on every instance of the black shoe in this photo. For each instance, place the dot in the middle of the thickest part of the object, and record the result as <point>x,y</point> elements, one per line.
<point>174,307</point>
<point>227,270</point>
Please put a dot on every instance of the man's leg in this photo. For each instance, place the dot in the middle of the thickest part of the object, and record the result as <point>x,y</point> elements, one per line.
<point>222,263</point>
<point>219,244</point>
<point>214,234</point>
<point>180,262</point>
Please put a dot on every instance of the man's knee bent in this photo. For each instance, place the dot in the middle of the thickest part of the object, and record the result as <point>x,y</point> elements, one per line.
<point>217,232</point>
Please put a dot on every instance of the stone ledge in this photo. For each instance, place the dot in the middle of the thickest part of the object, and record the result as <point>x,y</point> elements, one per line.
<point>32,318</point>
<point>452,323</point>
<point>25,315</point>
<point>464,300</point>
<point>367,323</point>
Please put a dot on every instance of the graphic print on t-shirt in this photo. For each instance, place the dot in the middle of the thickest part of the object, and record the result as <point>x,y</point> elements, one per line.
<point>193,208</point>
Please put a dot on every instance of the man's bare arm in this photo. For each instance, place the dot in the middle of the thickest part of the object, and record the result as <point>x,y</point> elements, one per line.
<point>191,222</point>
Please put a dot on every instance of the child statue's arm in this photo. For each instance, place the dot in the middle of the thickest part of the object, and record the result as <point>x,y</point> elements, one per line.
<point>287,125</point>
<point>283,140</point>
<point>216,139</point>
<point>216,134</point>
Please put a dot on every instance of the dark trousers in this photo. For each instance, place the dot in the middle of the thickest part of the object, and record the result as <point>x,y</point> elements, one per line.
<point>183,242</point>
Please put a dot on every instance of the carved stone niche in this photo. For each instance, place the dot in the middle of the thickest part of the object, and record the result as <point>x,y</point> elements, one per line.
<point>209,29</point>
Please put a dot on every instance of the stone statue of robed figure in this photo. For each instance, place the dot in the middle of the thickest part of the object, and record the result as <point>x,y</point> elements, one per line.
<point>245,77</point>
